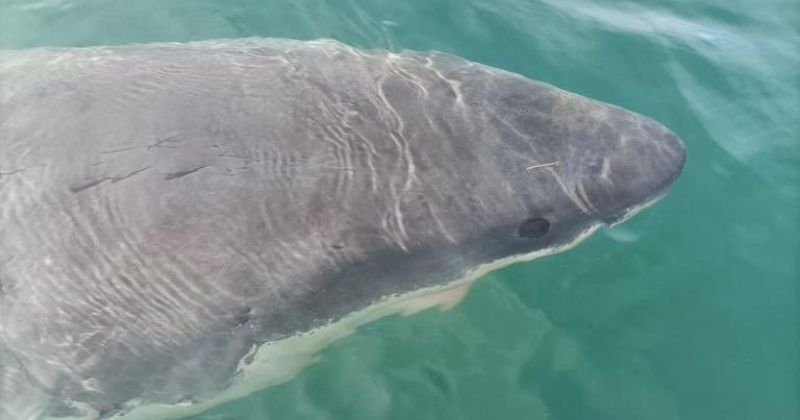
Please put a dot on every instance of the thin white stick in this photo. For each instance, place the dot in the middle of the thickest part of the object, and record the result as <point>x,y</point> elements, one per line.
<point>542,165</point>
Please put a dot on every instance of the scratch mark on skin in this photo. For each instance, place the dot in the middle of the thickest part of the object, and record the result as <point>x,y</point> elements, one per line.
<point>606,170</point>
<point>113,179</point>
<point>410,78</point>
<point>160,142</point>
<point>136,172</point>
<point>581,190</point>
<point>175,175</point>
<point>569,193</point>
<point>15,171</point>
<point>1,273</point>
<point>232,156</point>
<point>16,357</point>
<point>122,149</point>
<point>439,223</point>
<point>407,159</point>
<point>455,85</point>
<point>83,187</point>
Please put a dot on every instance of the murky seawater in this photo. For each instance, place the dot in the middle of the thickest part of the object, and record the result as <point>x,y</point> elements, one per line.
<point>689,311</point>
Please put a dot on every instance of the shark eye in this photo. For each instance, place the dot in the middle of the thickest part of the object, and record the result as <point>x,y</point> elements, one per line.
<point>534,228</point>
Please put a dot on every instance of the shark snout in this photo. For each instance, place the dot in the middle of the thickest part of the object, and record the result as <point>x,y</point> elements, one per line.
<point>644,159</point>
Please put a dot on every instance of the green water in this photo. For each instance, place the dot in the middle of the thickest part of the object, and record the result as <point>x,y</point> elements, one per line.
<point>689,311</point>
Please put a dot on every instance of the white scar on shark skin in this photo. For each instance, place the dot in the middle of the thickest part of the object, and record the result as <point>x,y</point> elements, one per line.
<point>274,363</point>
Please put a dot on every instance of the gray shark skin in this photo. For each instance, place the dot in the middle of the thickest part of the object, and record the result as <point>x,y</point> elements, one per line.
<point>167,208</point>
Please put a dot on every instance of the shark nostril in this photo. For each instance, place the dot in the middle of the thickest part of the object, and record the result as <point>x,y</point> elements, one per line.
<point>534,228</point>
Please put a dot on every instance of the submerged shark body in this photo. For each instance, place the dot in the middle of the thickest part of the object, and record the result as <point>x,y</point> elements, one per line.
<point>183,224</point>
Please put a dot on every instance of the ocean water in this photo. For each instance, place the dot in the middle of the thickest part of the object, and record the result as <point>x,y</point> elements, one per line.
<point>690,311</point>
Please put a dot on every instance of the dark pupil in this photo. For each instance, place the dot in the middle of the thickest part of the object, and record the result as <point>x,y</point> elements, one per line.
<point>534,228</point>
